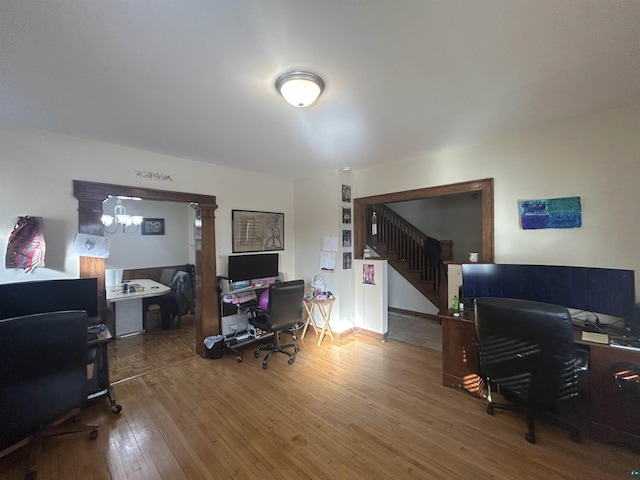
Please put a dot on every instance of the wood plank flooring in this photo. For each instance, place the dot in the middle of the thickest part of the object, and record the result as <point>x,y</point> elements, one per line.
<point>354,409</point>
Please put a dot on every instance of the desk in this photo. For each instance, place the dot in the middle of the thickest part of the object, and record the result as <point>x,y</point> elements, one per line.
<point>129,305</point>
<point>613,415</point>
<point>324,307</point>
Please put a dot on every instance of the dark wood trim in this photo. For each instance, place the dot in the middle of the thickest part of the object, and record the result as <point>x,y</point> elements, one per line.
<point>90,196</point>
<point>484,187</point>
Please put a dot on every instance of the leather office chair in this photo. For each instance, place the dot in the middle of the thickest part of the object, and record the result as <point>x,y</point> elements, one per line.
<point>43,380</point>
<point>283,313</point>
<point>526,349</point>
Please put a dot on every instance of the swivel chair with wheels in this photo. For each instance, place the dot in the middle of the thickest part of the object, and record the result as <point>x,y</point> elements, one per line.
<point>526,349</point>
<point>284,311</point>
<point>43,380</point>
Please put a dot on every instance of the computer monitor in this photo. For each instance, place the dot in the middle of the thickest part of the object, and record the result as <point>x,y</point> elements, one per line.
<point>597,290</point>
<point>251,267</point>
<point>28,298</point>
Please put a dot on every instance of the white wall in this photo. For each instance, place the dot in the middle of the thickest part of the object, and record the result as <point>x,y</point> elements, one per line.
<point>319,213</point>
<point>134,250</point>
<point>596,158</point>
<point>36,173</point>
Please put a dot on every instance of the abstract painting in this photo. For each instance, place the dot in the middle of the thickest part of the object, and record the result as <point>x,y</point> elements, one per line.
<point>551,213</point>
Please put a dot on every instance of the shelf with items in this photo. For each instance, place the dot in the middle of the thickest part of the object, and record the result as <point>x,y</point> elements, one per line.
<point>229,287</point>
<point>236,301</point>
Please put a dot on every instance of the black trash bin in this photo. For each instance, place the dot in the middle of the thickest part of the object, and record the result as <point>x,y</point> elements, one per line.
<point>215,346</point>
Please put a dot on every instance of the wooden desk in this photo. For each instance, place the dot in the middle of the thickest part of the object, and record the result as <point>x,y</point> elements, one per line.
<point>128,305</point>
<point>324,307</point>
<point>614,416</point>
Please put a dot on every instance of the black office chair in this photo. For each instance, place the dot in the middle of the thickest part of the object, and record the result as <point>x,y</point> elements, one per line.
<point>526,349</point>
<point>283,313</point>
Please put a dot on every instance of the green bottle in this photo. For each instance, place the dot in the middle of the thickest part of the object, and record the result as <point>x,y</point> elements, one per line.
<point>455,304</point>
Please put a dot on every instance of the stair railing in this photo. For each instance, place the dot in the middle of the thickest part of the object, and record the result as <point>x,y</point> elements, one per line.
<point>404,241</point>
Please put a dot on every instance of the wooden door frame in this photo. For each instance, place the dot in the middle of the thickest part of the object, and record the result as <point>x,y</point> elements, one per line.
<point>90,196</point>
<point>484,187</point>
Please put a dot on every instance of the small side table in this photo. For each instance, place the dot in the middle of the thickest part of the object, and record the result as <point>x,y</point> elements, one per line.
<point>324,307</point>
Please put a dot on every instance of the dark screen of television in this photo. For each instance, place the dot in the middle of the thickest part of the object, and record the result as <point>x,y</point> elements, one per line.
<point>598,290</point>
<point>250,267</point>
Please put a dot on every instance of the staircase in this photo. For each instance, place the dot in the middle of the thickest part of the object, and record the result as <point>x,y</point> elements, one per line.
<point>402,245</point>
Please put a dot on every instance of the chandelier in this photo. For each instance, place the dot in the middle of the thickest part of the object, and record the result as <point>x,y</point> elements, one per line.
<point>129,223</point>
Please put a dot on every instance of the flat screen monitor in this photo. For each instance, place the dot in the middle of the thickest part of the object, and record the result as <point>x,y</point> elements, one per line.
<point>598,290</point>
<point>251,267</point>
<point>28,298</point>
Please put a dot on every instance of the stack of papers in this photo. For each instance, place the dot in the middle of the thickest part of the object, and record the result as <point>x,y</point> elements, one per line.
<point>595,337</point>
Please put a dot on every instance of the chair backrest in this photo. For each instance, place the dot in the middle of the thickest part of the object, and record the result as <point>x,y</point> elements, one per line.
<point>285,303</point>
<point>527,347</point>
<point>43,371</point>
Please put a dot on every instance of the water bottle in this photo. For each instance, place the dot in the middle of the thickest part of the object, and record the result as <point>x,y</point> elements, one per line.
<point>455,304</point>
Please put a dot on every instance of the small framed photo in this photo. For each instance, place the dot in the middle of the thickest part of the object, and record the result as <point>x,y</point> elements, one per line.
<point>346,260</point>
<point>346,215</point>
<point>368,274</point>
<point>152,226</point>
<point>346,238</point>
<point>346,193</point>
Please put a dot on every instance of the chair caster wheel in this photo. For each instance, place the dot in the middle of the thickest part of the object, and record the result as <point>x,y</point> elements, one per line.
<point>239,359</point>
<point>296,349</point>
<point>116,409</point>
<point>256,354</point>
<point>291,360</point>
<point>264,365</point>
<point>530,437</point>
<point>490,410</point>
<point>93,434</point>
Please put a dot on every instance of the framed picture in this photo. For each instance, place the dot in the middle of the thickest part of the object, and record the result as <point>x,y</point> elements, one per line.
<point>346,260</point>
<point>346,193</point>
<point>368,274</point>
<point>346,215</point>
<point>152,226</point>
<point>346,238</point>
<point>257,231</point>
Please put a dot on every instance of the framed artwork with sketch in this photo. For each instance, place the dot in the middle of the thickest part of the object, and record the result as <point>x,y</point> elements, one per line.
<point>257,231</point>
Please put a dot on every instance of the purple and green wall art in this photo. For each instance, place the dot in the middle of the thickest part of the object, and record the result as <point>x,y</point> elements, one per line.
<point>551,213</point>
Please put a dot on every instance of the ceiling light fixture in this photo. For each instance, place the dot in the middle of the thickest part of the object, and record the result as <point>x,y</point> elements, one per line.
<point>120,217</point>
<point>299,88</point>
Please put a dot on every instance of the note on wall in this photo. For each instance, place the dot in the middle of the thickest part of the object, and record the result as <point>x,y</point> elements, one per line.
<point>330,244</point>
<point>328,260</point>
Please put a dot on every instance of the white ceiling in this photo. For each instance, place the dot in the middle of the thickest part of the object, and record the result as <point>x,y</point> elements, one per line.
<point>195,79</point>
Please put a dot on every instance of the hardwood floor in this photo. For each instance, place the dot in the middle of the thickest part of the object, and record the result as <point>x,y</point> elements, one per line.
<point>356,409</point>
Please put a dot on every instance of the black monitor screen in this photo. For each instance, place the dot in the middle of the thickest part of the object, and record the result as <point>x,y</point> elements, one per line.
<point>27,298</point>
<point>599,290</point>
<point>250,267</point>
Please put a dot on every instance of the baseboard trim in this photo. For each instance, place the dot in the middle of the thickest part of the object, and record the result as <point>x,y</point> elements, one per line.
<point>362,331</point>
<point>400,311</point>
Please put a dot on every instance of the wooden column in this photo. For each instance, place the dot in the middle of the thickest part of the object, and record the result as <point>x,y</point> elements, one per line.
<point>207,276</point>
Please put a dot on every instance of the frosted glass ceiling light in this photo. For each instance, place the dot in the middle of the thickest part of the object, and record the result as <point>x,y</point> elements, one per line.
<point>300,89</point>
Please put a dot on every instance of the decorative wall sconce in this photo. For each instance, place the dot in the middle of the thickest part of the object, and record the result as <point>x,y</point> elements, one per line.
<point>129,223</point>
